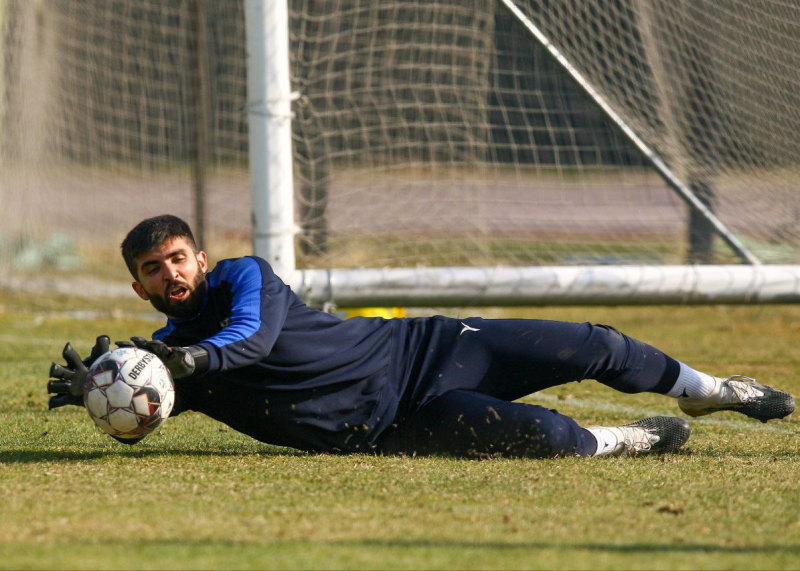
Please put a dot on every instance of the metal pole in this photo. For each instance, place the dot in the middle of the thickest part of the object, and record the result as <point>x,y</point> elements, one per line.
<point>550,285</point>
<point>666,173</point>
<point>201,115</point>
<point>269,118</point>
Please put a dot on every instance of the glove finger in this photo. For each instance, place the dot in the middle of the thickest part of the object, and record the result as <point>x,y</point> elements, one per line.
<point>59,372</point>
<point>159,348</point>
<point>101,347</point>
<point>124,344</point>
<point>73,359</point>
<point>58,387</point>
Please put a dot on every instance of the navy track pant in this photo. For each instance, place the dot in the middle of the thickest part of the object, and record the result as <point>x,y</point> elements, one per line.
<point>465,374</point>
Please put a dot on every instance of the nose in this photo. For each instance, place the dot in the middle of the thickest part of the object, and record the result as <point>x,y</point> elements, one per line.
<point>170,272</point>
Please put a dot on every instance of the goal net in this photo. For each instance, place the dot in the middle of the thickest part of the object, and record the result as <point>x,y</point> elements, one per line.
<point>436,133</point>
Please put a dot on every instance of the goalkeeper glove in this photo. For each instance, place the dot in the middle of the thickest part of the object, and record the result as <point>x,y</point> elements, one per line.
<point>181,361</point>
<point>67,383</point>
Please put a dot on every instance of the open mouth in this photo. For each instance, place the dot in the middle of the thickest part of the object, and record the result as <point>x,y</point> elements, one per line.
<point>178,292</point>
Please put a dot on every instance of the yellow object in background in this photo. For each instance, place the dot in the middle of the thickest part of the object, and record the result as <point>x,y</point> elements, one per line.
<point>385,312</point>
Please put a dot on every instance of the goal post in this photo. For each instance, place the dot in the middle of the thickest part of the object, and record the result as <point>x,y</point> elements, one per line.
<point>269,120</point>
<point>401,152</point>
<point>552,286</point>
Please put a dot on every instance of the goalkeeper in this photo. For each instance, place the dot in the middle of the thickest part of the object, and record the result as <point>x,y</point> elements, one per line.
<point>246,351</point>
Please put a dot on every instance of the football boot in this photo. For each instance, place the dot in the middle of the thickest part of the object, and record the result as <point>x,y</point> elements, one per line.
<point>743,395</point>
<point>651,435</point>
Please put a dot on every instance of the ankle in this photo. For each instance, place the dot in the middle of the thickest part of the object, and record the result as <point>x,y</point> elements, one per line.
<point>608,439</point>
<point>692,384</point>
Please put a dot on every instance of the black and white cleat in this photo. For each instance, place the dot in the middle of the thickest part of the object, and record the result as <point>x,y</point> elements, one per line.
<point>651,435</point>
<point>743,395</point>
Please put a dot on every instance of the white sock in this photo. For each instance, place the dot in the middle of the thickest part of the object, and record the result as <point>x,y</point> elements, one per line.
<point>607,439</point>
<point>692,384</point>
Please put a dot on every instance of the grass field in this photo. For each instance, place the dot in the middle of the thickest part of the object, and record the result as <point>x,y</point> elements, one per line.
<point>197,495</point>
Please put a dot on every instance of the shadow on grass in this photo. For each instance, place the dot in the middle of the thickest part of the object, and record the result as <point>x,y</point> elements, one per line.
<point>599,547</point>
<point>544,546</point>
<point>405,545</point>
<point>45,456</point>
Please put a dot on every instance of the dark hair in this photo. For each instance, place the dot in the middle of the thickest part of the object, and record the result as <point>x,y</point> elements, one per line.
<point>149,234</point>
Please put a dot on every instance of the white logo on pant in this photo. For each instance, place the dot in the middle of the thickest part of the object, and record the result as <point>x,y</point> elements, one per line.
<point>467,328</point>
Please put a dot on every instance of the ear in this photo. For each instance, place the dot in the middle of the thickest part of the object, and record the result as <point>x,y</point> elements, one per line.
<point>137,287</point>
<point>202,261</point>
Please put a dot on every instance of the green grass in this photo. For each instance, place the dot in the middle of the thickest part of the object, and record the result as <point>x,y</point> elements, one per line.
<point>197,495</point>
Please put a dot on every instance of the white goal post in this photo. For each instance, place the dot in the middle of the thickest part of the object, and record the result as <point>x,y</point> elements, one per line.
<point>551,285</point>
<point>269,111</point>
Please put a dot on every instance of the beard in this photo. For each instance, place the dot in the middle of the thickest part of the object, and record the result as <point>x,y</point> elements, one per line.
<point>185,308</point>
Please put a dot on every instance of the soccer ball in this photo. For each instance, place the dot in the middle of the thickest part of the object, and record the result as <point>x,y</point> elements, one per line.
<point>129,393</point>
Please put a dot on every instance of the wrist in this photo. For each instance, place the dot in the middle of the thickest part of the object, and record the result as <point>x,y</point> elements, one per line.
<point>200,357</point>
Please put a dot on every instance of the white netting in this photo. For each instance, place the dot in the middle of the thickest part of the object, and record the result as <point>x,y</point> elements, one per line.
<point>427,132</point>
<point>100,122</point>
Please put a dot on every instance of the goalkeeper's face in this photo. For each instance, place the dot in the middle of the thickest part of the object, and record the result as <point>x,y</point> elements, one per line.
<point>172,277</point>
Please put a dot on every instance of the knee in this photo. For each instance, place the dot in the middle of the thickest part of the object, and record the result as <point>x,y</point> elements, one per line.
<point>595,343</point>
<point>536,432</point>
<point>607,353</point>
<point>606,340</point>
<point>556,439</point>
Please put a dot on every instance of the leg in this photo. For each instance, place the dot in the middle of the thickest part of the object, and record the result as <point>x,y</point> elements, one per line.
<point>464,423</point>
<point>509,359</point>
<point>569,351</point>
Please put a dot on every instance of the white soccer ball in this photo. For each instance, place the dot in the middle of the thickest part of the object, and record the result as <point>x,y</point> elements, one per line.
<point>129,393</point>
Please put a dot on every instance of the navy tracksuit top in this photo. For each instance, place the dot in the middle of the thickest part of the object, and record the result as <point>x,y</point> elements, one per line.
<point>284,373</point>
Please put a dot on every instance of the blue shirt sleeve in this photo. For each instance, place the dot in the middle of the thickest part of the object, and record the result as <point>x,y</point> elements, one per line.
<point>260,302</point>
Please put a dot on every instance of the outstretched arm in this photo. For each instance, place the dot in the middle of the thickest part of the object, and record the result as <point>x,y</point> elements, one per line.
<point>259,302</point>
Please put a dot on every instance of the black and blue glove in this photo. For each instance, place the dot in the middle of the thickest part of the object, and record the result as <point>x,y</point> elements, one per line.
<point>67,382</point>
<point>181,362</point>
